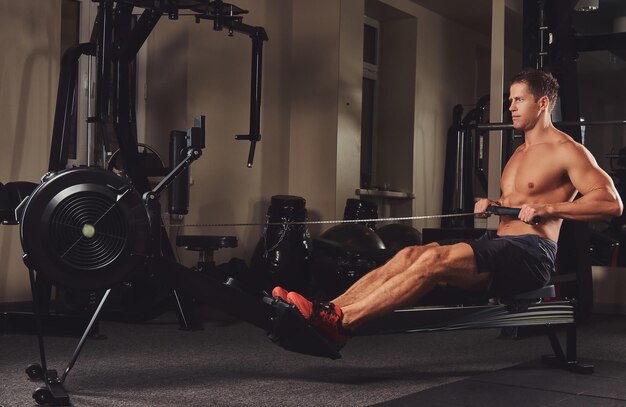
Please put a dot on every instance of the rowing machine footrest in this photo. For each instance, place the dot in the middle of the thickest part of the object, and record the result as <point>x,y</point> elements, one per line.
<point>294,333</point>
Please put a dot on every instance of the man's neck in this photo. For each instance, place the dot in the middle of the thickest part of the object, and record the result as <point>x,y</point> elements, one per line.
<point>538,132</point>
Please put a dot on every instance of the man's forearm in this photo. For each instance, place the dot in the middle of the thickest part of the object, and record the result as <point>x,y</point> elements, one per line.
<point>596,205</point>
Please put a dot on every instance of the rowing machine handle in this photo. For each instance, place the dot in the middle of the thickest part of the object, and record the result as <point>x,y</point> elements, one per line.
<point>503,210</point>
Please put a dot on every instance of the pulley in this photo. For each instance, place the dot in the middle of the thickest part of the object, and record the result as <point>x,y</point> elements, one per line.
<point>85,229</point>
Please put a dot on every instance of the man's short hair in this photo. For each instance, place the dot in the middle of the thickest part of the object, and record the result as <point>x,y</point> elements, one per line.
<point>540,83</point>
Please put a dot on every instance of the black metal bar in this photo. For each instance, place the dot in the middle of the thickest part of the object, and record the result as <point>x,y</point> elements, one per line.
<point>556,345</point>
<point>38,321</point>
<point>122,107</point>
<point>258,35</point>
<point>543,34</point>
<point>65,104</point>
<point>467,198</point>
<point>571,346</point>
<point>192,155</point>
<point>530,38</point>
<point>81,343</point>
<point>180,311</point>
<point>178,192</point>
<point>103,60</point>
<point>144,26</point>
<point>509,126</point>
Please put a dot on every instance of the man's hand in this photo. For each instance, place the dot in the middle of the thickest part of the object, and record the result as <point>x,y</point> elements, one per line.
<point>529,213</point>
<point>480,207</point>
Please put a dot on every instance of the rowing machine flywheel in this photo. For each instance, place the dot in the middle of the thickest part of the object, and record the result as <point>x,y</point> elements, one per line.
<point>85,229</point>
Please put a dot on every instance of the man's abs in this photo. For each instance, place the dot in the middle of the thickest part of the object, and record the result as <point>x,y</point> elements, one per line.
<point>548,229</point>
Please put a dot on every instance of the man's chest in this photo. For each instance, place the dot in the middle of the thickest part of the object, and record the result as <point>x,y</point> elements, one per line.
<point>532,173</point>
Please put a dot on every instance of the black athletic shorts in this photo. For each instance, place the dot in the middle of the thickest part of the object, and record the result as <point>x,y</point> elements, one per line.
<point>517,263</point>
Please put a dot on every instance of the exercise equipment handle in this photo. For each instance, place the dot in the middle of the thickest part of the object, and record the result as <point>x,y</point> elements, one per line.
<point>514,212</point>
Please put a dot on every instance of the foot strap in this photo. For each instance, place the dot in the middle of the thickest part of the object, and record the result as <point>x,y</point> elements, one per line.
<point>294,333</point>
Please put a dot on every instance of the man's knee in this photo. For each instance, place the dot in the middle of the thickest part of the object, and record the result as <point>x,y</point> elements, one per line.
<point>411,254</point>
<point>440,259</point>
<point>433,261</point>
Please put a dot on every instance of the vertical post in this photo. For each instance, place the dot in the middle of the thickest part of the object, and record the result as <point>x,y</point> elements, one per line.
<point>571,343</point>
<point>255,95</point>
<point>460,155</point>
<point>496,105</point>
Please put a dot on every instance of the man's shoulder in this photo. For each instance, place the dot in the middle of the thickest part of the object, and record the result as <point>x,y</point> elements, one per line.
<point>561,137</point>
<point>570,151</point>
<point>566,143</point>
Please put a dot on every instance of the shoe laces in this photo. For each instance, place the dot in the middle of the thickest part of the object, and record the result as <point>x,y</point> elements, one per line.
<point>325,310</point>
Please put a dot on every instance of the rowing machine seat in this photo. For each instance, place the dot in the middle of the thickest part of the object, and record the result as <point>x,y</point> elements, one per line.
<point>547,291</point>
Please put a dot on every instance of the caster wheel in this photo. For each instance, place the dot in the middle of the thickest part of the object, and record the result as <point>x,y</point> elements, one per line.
<point>34,371</point>
<point>42,395</point>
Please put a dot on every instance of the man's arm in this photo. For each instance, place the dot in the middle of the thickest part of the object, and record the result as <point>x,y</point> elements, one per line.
<point>600,199</point>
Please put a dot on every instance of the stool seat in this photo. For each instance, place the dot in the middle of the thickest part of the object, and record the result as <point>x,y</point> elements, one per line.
<point>200,243</point>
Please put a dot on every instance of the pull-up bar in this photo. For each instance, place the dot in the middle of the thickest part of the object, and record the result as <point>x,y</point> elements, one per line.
<point>509,126</point>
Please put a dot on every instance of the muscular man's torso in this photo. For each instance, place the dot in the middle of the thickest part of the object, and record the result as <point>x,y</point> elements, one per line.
<point>536,174</point>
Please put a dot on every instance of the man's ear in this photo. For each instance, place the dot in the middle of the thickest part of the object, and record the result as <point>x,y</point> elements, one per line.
<point>544,102</point>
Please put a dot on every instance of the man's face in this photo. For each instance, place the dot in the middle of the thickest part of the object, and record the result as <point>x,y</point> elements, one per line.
<point>524,108</point>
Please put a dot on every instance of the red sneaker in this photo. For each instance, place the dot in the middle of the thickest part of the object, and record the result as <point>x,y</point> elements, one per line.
<point>279,292</point>
<point>325,317</point>
<point>304,306</point>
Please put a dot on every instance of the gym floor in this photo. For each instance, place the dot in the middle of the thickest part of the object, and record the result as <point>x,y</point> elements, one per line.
<point>230,363</point>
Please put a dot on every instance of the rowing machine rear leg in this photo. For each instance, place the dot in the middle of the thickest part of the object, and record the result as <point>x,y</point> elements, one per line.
<point>566,360</point>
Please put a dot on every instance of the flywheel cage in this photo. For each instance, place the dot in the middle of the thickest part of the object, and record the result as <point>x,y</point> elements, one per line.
<point>85,211</point>
<point>85,229</point>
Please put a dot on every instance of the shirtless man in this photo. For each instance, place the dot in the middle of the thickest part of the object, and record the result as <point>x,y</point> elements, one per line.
<point>542,178</point>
